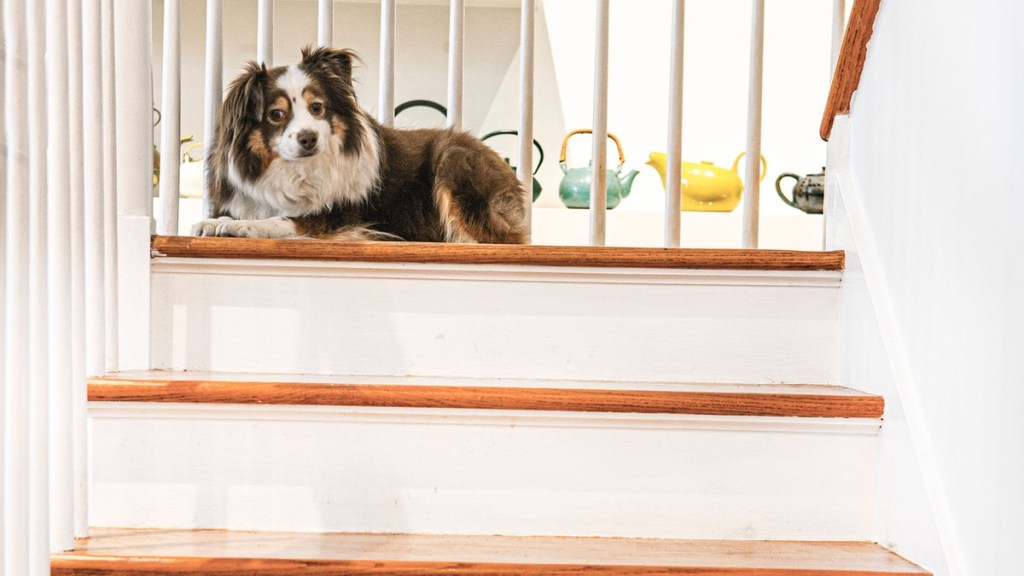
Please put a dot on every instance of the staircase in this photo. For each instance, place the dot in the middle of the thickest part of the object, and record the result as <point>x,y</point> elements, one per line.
<point>423,409</point>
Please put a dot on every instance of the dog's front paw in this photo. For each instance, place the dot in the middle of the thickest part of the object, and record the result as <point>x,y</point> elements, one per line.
<point>269,228</point>
<point>208,227</point>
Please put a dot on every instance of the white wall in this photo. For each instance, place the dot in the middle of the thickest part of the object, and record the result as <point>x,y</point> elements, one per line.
<point>935,145</point>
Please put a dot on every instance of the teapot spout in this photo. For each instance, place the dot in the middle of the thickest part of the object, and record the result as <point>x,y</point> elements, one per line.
<point>658,160</point>
<point>627,182</point>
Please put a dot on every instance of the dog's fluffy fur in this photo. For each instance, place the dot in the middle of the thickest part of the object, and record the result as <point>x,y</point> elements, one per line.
<point>296,156</point>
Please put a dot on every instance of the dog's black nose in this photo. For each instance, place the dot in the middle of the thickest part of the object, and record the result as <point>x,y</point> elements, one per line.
<point>307,139</point>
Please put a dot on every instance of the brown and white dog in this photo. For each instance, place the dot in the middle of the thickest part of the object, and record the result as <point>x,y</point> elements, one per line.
<point>295,156</point>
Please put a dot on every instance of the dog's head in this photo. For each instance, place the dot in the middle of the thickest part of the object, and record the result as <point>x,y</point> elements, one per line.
<point>292,112</point>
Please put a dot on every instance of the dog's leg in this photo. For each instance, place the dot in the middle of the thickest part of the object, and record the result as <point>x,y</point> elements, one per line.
<point>279,227</point>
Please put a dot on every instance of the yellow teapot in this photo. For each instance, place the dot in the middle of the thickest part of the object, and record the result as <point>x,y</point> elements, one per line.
<point>706,187</point>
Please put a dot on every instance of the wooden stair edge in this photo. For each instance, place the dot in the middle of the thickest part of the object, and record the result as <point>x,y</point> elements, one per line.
<point>518,255</point>
<point>778,401</point>
<point>124,552</point>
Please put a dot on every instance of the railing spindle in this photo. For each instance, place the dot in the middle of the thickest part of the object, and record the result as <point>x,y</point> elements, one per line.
<point>92,100</point>
<point>386,97</point>
<point>673,178</point>
<point>73,111</point>
<point>264,33</point>
<point>214,82</point>
<point>599,161</point>
<point>62,534</point>
<point>39,366</point>
<point>838,29</point>
<point>456,36</point>
<point>170,130</point>
<point>524,169</point>
<point>752,181</point>
<point>16,332</point>
<point>110,184</point>
<point>325,23</point>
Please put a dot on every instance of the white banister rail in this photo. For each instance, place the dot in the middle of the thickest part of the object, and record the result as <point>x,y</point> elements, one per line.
<point>325,23</point>
<point>524,169</point>
<point>170,111</point>
<point>456,36</point>
<point>386,96</point>
<point>215,80</point>
<point>674,150</point>
<point>752,179</point>
<point>264,34</point>
<point>599,157</point>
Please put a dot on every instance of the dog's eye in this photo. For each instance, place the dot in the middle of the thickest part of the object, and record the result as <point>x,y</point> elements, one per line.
<point>276,115</point>
<point>316,108</point>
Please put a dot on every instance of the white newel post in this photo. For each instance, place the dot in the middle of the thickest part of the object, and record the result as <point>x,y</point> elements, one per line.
<point>599,158</point>
<point>134,146</point>
<point>673,176</point>
<point>456,34</point>
<point>524,169</point>
<point>752,179</point>
<point>386,97</point>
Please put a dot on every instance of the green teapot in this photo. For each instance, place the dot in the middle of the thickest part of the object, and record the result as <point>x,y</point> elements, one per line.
<point>536,184</point>
<point>575,187</point>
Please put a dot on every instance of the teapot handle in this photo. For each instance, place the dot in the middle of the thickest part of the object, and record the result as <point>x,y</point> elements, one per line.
<point>764,165</point>
<point>778,187</point>
<point>516,133</point>
<point>565,143</point>
<point>422,104</point>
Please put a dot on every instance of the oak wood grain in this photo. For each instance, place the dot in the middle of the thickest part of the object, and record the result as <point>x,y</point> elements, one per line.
<point>524,255</point>
<point>124,552</point>
<point>850,64</point>
<point>733,400</point>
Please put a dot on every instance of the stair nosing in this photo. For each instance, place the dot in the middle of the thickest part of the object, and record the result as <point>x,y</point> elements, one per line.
<point>758,401</point>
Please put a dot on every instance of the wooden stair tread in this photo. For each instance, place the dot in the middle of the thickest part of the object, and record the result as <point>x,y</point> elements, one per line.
<point>114,552</point>
<point>647,398</point>
<point>521,255</point>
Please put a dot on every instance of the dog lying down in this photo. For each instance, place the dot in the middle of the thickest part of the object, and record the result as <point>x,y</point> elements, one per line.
<point>296,156</point>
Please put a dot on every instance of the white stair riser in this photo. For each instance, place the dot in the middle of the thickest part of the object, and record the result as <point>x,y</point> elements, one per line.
<point>479,472</point>
<point>497,323</point>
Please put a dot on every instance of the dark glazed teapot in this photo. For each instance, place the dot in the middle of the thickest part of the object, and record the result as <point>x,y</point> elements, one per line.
<point>808,192</point>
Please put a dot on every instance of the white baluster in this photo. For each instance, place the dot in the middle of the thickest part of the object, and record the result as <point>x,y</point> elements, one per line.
<point>62,534</point>
<point>752,181</point>
<point>110,186</point>
<point>214,83</point>
<point>524,168</point>
<point>265,33</point>
<point>39,358</point>
<point>456,34</point>
<point>599,157</point>
<point>16,326</point>
<point>170,109</point>
<point>73,110</point>
<point>92,100</point>
<point>386,98</point>
<point>674,152</point>
<point>838,29</point>
<point>325,30</point>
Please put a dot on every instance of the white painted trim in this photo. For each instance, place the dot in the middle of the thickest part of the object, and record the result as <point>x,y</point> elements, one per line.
<point>458,416</point>
<point>496,273</point>
<point>844,189</point>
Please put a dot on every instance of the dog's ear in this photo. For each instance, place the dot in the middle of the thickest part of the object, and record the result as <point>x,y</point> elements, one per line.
<point>245,100</point>
<point>334,62</point>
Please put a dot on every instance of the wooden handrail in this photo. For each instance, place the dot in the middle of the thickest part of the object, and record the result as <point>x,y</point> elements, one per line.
<point>850,63</point>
